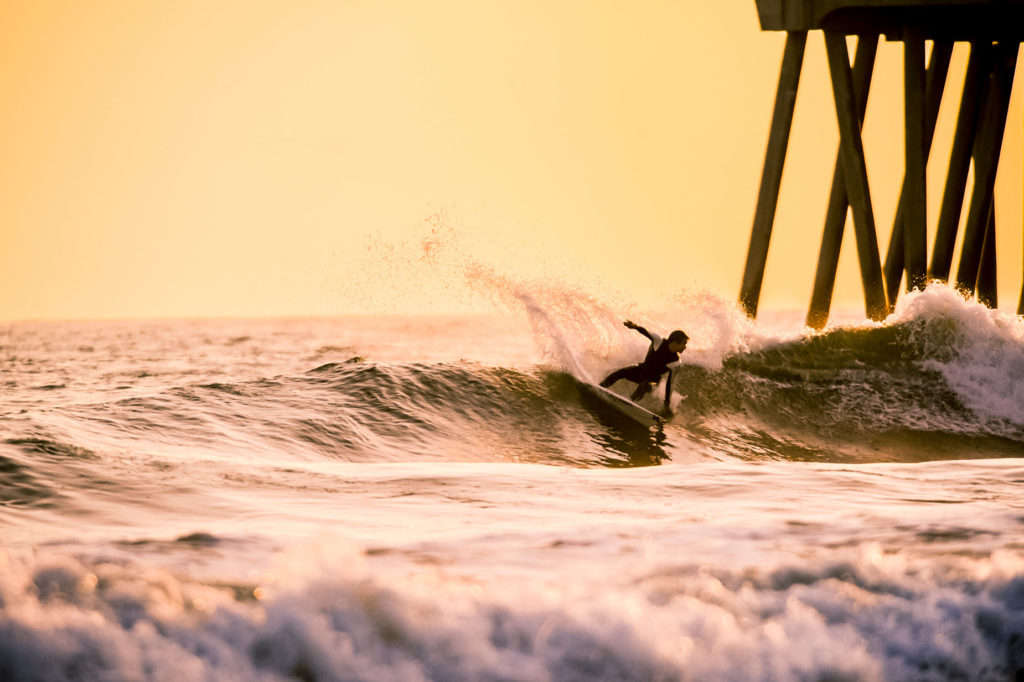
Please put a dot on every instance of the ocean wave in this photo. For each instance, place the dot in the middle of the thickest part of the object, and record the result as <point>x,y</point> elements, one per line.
<point>941,379</point>
<point>326,612</point>
<point>849,395</point>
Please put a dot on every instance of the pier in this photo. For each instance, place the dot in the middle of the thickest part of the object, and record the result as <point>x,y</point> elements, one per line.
<point>994,30</point>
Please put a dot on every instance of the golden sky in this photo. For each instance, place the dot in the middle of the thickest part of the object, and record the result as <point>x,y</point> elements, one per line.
<point>270,157</point>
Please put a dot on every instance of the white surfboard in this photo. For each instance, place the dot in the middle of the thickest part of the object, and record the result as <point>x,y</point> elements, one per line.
<point>624,405</point>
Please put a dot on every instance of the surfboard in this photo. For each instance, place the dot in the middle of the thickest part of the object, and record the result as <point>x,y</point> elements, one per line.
<point>624,405</point>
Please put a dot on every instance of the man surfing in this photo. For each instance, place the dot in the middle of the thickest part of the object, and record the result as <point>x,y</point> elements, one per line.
<point>662,356</point>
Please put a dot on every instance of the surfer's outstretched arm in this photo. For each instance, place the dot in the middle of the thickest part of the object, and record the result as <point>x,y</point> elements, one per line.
<point>668,390</point>
<point>628,324</point>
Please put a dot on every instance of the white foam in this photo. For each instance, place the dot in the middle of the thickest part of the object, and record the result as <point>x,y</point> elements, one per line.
<point>979,351</point>
<point>856,613</point>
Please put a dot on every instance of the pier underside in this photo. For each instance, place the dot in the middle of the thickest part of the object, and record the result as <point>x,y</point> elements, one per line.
<point>994,30</point>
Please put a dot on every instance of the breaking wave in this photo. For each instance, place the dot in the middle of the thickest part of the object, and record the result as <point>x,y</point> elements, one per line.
<point>862,614</point>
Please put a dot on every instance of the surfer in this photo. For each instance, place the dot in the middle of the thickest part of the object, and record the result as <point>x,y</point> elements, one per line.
<point>662,356</point>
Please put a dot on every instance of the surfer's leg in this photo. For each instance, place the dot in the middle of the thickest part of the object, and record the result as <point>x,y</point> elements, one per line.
<point>618,374</point>
<point>642,389</point>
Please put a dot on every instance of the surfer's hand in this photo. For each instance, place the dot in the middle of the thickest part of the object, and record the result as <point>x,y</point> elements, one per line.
<point>629,324</point>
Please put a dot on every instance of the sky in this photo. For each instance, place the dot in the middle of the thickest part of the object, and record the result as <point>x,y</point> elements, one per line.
<point>193,158</point>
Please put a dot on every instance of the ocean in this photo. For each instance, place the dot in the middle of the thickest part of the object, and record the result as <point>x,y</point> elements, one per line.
<point>434,498</point>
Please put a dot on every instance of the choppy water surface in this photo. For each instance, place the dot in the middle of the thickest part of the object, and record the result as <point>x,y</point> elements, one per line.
<point>435,499</point>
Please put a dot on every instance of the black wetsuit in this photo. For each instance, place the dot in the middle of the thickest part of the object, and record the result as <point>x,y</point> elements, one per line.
<point>656,363</point>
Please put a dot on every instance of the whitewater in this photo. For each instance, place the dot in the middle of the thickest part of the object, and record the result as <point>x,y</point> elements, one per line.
<point>434,497</point>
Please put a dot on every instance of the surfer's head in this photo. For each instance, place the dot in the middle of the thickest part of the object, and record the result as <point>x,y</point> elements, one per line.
<point>677,341</point>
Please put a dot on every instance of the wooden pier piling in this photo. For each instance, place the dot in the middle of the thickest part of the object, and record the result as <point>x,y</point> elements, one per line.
<point>915,232</point>
<point>935,82</point>
<point>975,86</point>
<point>771,176</point>
<point>855,174</point>
<point>987,293</point>
<point>986,160</point>
<point>838,202</point>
